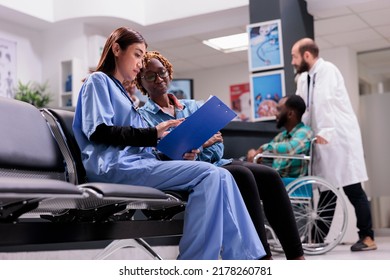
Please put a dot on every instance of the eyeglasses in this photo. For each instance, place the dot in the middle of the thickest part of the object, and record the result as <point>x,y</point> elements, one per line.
<point>152,76</point>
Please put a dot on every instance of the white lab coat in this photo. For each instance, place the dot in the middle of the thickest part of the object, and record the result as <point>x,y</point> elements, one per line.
<point>330,114</point>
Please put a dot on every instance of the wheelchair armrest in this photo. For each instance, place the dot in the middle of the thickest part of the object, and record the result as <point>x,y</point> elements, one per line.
<point>285,156</point>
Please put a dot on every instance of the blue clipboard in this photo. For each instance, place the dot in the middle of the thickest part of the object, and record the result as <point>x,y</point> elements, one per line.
<point>195,130</point>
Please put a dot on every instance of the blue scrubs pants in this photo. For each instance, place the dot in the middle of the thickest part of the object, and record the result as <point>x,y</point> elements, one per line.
<point>216,222</point>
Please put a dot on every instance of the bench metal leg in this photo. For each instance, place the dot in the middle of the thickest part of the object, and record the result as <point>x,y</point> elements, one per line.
<point>123,243</point>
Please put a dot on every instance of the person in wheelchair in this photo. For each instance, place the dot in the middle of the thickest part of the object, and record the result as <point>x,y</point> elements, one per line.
<point>295,139</point>
<point>256,183</point>
<point>290,153</point>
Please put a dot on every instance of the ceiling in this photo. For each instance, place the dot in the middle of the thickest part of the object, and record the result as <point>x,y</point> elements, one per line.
<point>362,25</point>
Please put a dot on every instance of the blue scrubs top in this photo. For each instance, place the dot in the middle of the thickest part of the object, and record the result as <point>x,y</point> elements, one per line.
<point>103,99</point>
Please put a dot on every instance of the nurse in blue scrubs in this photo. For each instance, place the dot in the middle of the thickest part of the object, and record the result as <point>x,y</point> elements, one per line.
<point>118,146</point>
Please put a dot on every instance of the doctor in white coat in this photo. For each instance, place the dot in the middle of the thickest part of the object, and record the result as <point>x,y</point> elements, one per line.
<point>339,156</point>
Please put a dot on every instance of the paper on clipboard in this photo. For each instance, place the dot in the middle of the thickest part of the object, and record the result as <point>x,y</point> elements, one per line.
<point>195,130</point>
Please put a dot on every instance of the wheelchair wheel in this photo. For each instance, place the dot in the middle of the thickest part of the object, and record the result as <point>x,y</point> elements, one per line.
<point>320,212</point>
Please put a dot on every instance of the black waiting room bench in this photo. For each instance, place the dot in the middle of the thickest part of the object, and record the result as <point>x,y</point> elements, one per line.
<point>46,201</point>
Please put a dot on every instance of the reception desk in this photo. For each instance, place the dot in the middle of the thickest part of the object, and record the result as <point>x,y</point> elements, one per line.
<point>239,137</point>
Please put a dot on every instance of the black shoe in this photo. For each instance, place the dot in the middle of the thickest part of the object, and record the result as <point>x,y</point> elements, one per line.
<point>364,244</point>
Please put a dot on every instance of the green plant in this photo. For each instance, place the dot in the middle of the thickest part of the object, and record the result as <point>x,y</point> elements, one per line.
<point>33,93</point>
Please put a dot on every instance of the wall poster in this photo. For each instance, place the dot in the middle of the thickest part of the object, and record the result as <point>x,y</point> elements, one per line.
<point>265,49</point>
<point>240,101</point>
<point>267,88</point>
<point>7,68</point>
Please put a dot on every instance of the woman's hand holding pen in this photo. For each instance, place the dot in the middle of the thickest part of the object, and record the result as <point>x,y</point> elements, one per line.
<point>164,126</point>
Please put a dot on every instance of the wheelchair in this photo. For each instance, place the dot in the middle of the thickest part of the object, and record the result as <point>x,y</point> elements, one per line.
<point>321,217</point>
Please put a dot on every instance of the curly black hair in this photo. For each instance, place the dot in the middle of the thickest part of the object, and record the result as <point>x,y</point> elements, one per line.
<point>297,104</point>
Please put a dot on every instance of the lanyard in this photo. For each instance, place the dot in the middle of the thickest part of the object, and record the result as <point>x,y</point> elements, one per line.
<point>308,101</point>
<point>122,89</point>
<point>308,92</point>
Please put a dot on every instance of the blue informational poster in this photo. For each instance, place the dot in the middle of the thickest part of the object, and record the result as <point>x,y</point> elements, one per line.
<point>265,45</point>
<point>267,88</point>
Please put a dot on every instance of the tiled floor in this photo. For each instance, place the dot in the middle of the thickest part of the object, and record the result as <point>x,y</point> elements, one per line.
<point>341,252</point>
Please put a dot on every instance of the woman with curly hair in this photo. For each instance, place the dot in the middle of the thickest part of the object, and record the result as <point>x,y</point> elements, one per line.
<point>256,182</point>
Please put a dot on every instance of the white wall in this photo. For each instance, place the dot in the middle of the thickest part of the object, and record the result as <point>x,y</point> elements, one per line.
<point>28,53</point>
<point>374,110</point>
<point>64,42</point>
<point>217,81</point>
<point>39,53</point>
<point>42,9</point>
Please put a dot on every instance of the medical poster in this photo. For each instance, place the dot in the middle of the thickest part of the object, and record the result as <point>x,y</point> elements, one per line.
<point>267,88</point>
<point>240,101</point>
<point>265,49</point>
<point>7,68</point>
